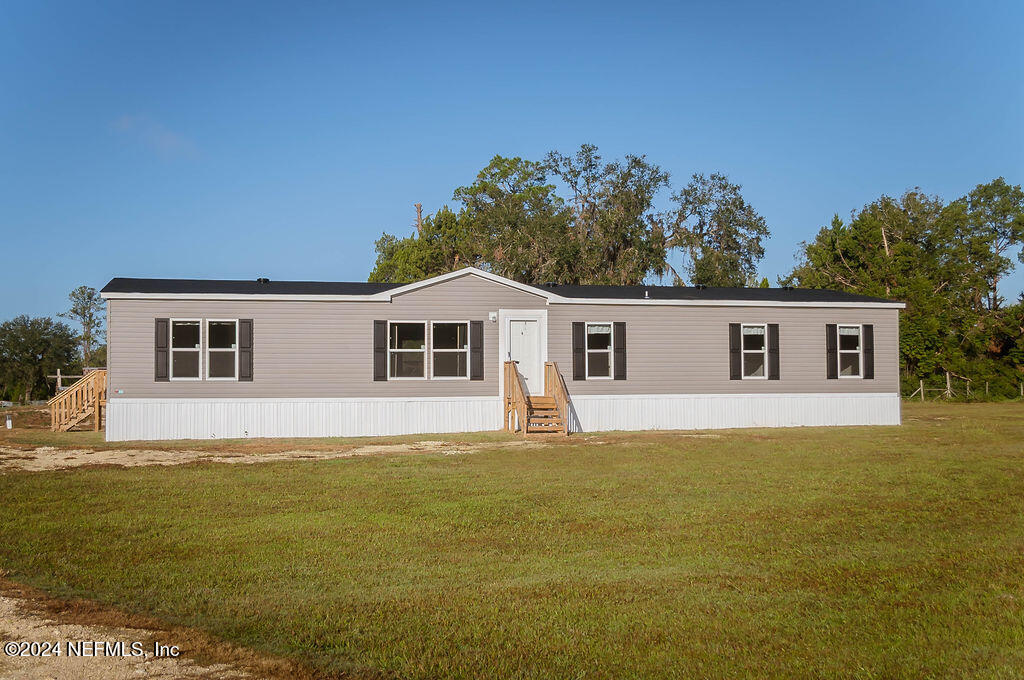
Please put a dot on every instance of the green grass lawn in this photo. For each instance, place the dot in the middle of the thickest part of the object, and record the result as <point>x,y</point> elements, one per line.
<point>853,552</point>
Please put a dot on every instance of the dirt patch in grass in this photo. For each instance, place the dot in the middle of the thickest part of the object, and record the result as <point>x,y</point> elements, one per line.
<point>26,417</point>
<point>29,615</point>
<point>48,458</point>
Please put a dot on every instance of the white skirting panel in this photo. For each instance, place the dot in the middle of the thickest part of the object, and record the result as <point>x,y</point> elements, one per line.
<point>129,419</point>
<point>593,413</point>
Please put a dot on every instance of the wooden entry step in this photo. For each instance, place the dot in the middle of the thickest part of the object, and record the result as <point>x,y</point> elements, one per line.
<point>546,413</point>
<point>542,415</point>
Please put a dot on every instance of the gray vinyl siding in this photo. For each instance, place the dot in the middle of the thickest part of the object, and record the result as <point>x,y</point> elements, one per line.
<point>309,349</point>
<point>305,349</point>
<point>685,350</point>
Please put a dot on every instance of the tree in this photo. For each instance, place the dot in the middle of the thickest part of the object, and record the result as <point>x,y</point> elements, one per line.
<point>32,348</point>
<point>442,246</point>
<point>87,309</point>
<point>518,221</point>
<point>513,222</point>
<point>995,221</point>
<point>618,238</point>
<point>928,254</point>
<point>99,355</point>
<point>718,231</point>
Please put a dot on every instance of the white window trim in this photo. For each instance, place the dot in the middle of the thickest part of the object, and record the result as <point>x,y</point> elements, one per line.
<point>209,349</point>
<point>425,350</point>
<point>859,351</point>
<point>744,352</point>
<point>171,350</point>
<point>469,342</point>
<point>610,350</point>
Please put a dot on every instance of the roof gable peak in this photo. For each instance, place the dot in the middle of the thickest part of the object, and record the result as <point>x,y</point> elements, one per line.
<point>471,271</point>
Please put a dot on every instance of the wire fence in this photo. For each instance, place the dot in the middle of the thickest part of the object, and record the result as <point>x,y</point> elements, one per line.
<point>952,387</point>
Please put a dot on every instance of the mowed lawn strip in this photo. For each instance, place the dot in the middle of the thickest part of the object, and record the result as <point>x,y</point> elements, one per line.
<point>846,552</point>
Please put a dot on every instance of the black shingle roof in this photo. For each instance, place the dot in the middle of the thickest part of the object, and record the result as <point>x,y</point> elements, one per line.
<point>185,286</point>
<point>754,295</point>
<point>694,293</point>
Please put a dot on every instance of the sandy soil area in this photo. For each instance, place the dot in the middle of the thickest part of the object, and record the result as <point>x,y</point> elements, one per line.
<point>20,622</point>
<point>49,458</point>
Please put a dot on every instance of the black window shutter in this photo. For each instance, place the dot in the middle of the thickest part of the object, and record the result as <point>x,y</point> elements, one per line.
<point>476,350</point>
<point>773,351</point>
<point>831,352</point>
<point>868,338</point>
<point>579,359</point>
<point>619,341</point>
<point>735,355</point>
<point>245,350</point>
<point>162,354</point>
<point>380,350</point>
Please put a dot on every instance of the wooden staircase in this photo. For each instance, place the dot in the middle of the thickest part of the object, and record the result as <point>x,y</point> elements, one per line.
<point>84,401</point>
<point>536,414</point>
<point>542,415</point>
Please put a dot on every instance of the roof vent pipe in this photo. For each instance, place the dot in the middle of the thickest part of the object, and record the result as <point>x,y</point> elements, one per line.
<point>262,280</point>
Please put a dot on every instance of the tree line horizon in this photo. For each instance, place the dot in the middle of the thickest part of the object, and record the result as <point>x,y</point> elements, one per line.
<point>945,260</point>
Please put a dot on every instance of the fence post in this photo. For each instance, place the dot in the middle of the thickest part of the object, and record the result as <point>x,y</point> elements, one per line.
<point>949,387</point>
<point>986,388</point>
<point>922,390</point>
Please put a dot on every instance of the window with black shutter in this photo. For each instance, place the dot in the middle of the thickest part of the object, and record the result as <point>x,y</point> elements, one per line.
<point>773,351</point>
<point>186,349</point>
<point>831,355</point>
<point>449,349</point>
<point>850,350</point>
<point>380,350</point>
<point>222,349</point>
<point>245,351</point>
<point>161,344</point>
<point>754,343</point>
<point>868,341</point>
<point>579,350</point>
<point>476,350</point>
<point>735,353</point>
<point>619,349</point>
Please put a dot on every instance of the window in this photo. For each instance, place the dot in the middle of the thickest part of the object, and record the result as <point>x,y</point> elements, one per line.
<point>185,342</point>
<point>222,350</point>
<point>849,351</point>
<point>599,350</point>
<point>450,349</point>
<point>407,349</point>
<point>755,350</point>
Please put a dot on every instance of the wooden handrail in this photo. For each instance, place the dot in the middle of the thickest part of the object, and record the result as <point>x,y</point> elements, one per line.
<point>554,386</point>
<point>515,397</point>
<point>68,408</point>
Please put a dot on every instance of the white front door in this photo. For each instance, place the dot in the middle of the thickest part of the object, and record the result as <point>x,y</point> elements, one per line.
<point>524,349</point>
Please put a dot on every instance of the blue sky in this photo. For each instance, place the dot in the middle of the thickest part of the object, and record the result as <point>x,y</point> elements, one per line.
<point>234,140</point>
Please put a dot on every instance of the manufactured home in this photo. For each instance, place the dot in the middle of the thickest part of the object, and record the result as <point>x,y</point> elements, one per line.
<point>471,351</point>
